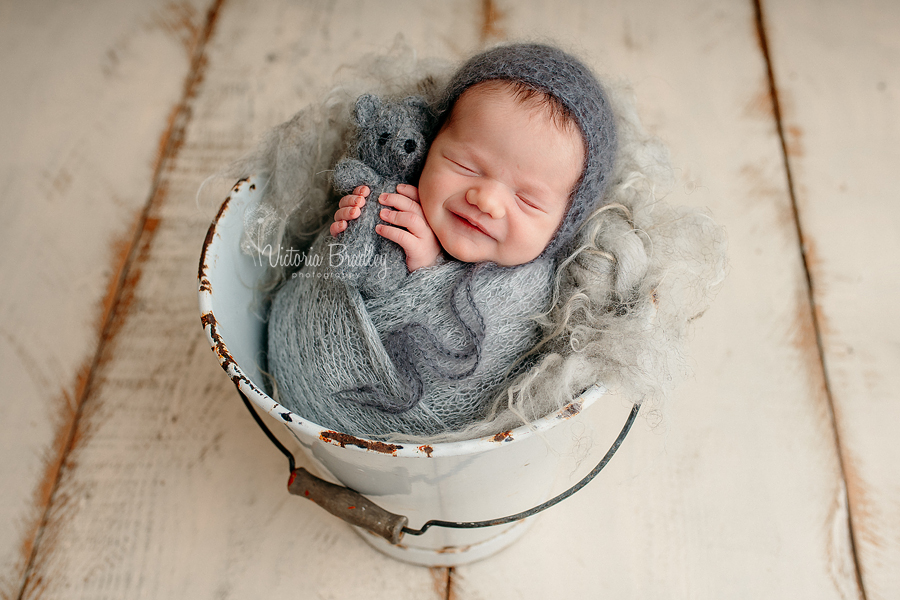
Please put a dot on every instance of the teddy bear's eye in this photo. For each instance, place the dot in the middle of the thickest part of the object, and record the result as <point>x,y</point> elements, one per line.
<point>383,138</point>
<point>410,146</point>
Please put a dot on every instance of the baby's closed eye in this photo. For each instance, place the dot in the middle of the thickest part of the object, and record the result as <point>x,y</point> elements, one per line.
<point>529,203</point>
<point>462,167</point>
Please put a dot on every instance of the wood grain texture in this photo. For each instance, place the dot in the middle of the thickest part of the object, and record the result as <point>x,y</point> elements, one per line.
<point>174,492</point>
<point>171,491</point>
<point>837,68</point>
<point>739,493</point>
<point>85,103</point>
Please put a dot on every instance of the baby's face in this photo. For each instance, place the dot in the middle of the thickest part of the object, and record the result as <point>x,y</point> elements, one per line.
<point>498,177</point>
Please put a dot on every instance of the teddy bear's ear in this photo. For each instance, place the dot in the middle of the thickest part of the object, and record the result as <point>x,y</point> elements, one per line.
<point>367,107</point>
<point>417,102</point>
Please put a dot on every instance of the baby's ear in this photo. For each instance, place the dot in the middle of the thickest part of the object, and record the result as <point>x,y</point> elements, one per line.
<point>367,107</point>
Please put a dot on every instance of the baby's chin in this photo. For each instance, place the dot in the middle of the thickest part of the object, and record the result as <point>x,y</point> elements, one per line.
<point>467,251</point>
<point>468,255</point>
<point>480,257</point>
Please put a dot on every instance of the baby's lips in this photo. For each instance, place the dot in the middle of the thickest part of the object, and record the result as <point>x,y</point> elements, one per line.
<point>473,223</point>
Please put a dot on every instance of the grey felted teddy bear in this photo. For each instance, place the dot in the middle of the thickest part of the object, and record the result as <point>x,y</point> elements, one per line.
<point>391,148</point>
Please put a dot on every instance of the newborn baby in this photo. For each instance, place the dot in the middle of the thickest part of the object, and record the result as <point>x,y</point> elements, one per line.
<point>496,183</point>
<point>522,154</point>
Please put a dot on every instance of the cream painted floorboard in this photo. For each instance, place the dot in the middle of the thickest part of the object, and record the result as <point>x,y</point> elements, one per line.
<point>738,494</point>
<point>85,102</point>
<point>174,492</point>
<point>838,71</point>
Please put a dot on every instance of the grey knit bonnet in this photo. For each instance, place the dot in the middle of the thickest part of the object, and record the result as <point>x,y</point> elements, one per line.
<point>564,77</point>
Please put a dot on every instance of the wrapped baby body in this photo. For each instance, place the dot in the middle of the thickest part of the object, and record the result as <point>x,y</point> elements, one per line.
<point>381,365</point>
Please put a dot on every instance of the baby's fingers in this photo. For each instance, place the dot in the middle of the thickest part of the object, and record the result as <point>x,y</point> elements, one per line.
<point>337,227</point>
<point>352,200</point>
<point>410,191</point>
<point>347,214</point>
<point>401,202</point>
<point>413,222</point>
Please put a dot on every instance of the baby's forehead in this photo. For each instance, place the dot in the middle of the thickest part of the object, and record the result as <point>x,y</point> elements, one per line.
<point>540,103</point>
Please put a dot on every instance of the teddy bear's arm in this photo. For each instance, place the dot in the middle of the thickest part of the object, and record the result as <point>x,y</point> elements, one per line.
<point>350,173</point>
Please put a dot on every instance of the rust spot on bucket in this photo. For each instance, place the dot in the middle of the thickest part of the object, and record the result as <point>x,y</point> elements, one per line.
<point>426,449</point>
<point>344,440</point>
<point>209,320</point>
<point>503,436</point>
<point>570,410</point>
<point>229,365</point>
<point>210,234</point>
<point>454,549</point>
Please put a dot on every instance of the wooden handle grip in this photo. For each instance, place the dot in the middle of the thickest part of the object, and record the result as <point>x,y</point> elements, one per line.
<point>348,505</point>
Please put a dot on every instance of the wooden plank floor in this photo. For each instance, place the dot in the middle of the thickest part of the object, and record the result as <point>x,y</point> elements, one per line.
<point>88,98</point>
<point>130,468</point>
<point>843,155</point>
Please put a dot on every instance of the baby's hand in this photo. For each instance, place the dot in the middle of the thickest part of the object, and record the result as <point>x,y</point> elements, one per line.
<point>408,227</point>
<point>350,206</point>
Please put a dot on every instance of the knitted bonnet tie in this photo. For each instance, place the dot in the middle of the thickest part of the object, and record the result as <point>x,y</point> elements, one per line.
<point>564,77</point>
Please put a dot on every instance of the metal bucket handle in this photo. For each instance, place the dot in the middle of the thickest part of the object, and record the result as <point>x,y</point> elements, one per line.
<point>356,509</point>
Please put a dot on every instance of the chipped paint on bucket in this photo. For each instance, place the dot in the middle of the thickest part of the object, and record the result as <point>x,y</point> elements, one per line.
<point>472,480</point>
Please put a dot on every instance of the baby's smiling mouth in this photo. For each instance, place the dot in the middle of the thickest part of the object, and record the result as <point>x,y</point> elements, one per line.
<point>470,223</point>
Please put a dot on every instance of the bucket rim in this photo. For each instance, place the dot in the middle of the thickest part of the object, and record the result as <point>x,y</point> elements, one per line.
<point>298,424</point>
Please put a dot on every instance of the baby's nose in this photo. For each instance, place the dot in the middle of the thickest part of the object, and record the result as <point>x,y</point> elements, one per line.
<point>488,199</point>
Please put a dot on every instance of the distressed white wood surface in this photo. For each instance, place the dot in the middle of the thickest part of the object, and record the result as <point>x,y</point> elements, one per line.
<point>837,67</point>
<point>86,96</point>
<point>740,494</point>
<point>173,492</point>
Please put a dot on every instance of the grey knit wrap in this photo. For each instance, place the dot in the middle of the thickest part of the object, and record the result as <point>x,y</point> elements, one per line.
<point>379,351</point>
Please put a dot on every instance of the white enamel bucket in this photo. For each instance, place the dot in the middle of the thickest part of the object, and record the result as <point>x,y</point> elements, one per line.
<point>473,480</point>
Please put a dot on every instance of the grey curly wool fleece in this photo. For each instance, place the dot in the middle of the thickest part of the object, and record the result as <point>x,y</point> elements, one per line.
<point>358,344</point>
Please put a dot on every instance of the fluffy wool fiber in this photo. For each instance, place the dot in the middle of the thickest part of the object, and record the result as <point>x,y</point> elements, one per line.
<point>635,274</point>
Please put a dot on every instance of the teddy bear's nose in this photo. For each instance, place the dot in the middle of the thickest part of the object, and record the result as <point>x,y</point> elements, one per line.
<point>410,146</point>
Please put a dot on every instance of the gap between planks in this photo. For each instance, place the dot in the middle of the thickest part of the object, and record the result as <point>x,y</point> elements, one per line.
<point>810,284</point>
<point>171,142</point>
